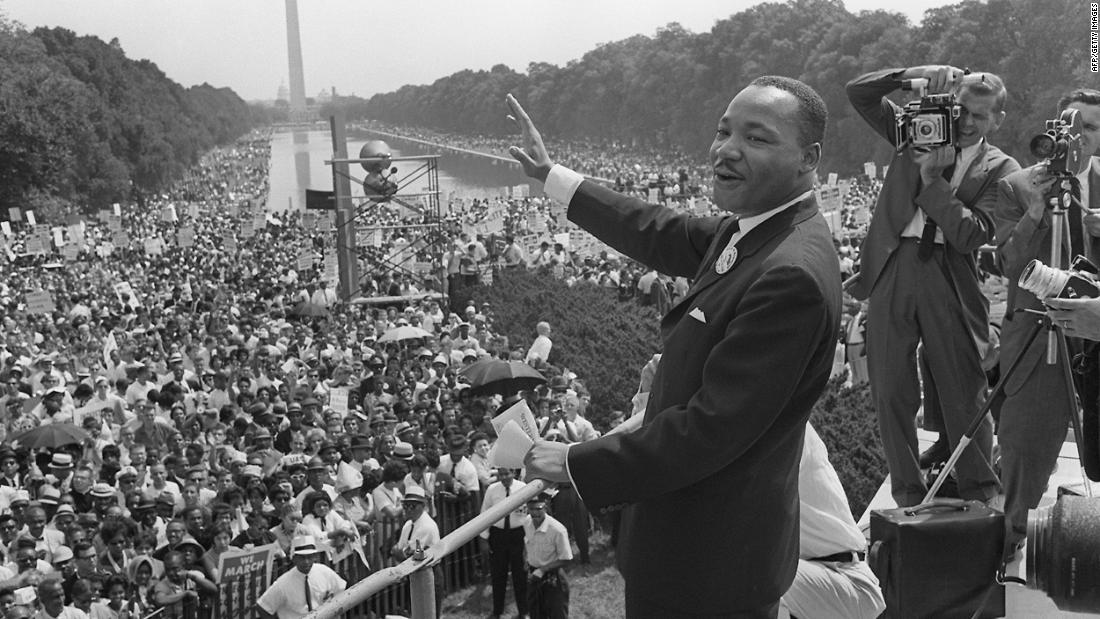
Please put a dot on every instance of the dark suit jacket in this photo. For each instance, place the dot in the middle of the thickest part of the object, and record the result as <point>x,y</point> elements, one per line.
<point>1019,240</point>
<point>712,475</point>
<point>965,217</point>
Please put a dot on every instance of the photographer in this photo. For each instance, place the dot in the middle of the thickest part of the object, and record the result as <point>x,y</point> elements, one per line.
<point>1037,406</point>
<point>918,271</point>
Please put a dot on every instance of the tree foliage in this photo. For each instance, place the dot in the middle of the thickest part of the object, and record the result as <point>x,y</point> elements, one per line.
<point>668,89</point>
<point>82,123</point>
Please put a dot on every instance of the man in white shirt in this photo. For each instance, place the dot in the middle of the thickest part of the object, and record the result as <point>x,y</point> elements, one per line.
<point>51,596</point>
<point>419,533</point>
<point>505,538</point>
<point>458,466</point>
<point>302,589</point>
<point>540,348</point>
<point>547,545</point>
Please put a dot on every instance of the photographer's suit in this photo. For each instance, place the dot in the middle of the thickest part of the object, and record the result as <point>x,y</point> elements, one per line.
<point>936,301</point>
<point>712,475</point>
<point>1037,405</point>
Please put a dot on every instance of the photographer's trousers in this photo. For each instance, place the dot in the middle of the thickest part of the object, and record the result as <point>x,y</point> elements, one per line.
<point>915,301</point>
<point>1034,420</point>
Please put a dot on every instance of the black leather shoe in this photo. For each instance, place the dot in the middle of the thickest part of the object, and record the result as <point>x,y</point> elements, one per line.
<point>938,453</point>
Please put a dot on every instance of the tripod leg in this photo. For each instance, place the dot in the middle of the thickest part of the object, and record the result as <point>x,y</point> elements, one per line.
<point>1075,410</point>
<point>968,436</point>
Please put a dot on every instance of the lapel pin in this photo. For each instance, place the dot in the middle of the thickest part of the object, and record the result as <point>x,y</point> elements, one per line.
<point>726,260</point>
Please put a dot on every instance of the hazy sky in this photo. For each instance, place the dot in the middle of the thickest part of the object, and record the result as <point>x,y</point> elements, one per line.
<point>364,46</point>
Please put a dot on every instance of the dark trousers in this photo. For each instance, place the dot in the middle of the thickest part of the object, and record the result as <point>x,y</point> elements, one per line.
<point>548,597</point>
<point>912,303</point>
<point>571,512</point>
<point>506,553</point>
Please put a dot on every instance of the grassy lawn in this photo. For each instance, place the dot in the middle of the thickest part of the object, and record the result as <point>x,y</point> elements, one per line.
<point>595,590</point>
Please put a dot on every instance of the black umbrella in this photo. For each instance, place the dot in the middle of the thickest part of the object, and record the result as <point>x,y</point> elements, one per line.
<point>498,376</point>
<point>51,436</point>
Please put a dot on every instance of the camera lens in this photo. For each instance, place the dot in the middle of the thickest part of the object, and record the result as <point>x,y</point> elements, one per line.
<point>1063,553</point>
<point>1042,146</point>
<point>925,130</point>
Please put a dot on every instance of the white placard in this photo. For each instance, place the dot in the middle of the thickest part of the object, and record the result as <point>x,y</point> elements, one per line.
<point>338,399</point>
<point>30,218</point>
<point>869,169</point>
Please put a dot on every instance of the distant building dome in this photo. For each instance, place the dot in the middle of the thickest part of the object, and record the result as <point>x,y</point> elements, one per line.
<point>284,93</point>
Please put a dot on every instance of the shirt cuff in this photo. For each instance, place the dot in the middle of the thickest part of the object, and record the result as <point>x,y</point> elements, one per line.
<point>561,184</point>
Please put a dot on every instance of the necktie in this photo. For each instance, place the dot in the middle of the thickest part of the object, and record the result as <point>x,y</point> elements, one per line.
<point>928,235</point>
<point>1076,231</point>
<point>309,596</point>
<point>508,516</point>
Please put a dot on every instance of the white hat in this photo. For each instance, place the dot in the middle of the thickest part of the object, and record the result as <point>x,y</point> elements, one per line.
<point>303,545</point>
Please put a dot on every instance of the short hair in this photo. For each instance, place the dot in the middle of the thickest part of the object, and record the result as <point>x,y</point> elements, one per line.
<point>812,113</point>
<point>989,85</point>
<point>1088,96</point>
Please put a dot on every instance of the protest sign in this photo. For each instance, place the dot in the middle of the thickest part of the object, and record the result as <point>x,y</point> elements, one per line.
<point>121,239</point>
<point>14,213</point>
<point>305,261</point>
<point>126,295</point>
<point>869,169</point>
<point>39,302</point>
<point>35,245</point>
<point>70,252</point>
<point>245,575</point>
<point>832,179</point>
<point>168,214</point>
<point>186,237</point>
<point>5,227</point>
<point>117,208</point>
<point>30,218</point>
<point>338,399</point>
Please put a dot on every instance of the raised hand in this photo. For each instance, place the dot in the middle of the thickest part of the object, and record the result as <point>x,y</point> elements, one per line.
<point>532,156</point>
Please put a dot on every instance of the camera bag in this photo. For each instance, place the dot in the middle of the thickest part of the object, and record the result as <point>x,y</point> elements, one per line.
<point>938,559</point>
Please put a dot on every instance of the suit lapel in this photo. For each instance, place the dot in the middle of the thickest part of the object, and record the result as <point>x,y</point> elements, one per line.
<point>974,178</point>
<point>746,246</point>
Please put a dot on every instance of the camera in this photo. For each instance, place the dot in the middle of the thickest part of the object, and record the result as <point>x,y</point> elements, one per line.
<point>1078,282</point>
<point>1060,145</point>
<point>930,121</point>
<point>1063,552</point>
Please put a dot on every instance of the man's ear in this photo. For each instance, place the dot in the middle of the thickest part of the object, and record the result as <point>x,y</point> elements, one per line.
<point>811,156</point>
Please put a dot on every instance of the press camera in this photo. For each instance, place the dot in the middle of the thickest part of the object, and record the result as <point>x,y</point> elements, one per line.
<point>930,121</point>
<point>1060,145</point>
<point>1079,281</point>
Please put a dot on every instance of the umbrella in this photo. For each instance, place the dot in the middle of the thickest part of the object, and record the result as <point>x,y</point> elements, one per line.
<point>404,333</point>
<point>50,436</point>
<point>499,376</point>
<point>308,309</point>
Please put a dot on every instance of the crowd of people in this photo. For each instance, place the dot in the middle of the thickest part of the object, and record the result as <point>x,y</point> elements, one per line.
<point>211,415</point>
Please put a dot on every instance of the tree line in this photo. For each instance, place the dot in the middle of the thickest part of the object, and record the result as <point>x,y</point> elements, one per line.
<point>668,90</point>
<point>83,125</point>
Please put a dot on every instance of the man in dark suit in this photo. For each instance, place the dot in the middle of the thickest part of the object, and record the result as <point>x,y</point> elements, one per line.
<point>711,528</point>
<point>1037,404</point>
<point>919,273</point>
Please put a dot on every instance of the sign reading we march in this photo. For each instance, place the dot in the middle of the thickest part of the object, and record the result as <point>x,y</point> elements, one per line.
<point>245,575</point>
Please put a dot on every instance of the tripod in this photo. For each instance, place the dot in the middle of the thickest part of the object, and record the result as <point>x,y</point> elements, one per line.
<point>1059,198</point>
